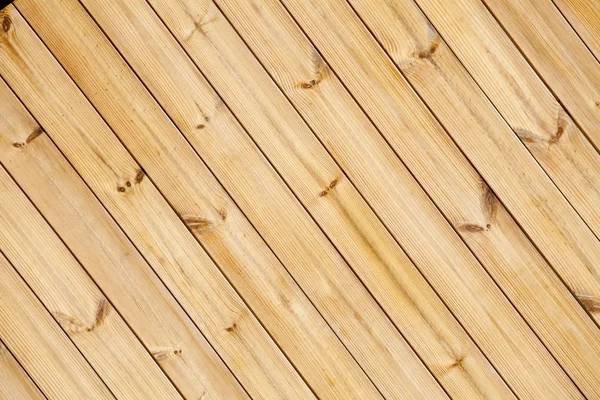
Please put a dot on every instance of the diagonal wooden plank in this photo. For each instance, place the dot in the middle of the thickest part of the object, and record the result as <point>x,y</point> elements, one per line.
<point>584,17</point>
<point>354,315</point>
<point>247,177</point>
<point>14,381</point>
<point>554,50</point>
<point>526,104</point>
<point>267,115</point>
<point>455,98</point>
<point>391,102</point>
<point>107,255</point>
<point>145,216</point>
<point>75,302</point>
<point>40,345</point>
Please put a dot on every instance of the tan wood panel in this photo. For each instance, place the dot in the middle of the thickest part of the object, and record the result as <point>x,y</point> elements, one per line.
<point>584,17</point>
<point>330,284</point>
<point>524,101</point>
<point>390,101</point>
<point>14,381</point>
<point>112,261</point>
<point>144,214</point>
<point>241,172</point>
<point>75,302</point>
<point>274,124</point>
<point>454,97</point>
<point>40,345</point>
<point>552,47</point>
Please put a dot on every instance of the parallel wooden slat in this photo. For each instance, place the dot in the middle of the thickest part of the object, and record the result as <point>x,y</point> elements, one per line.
<point>553,48</point>
<point>330,284</point>
<point>584,17</point>
<point>351,225</point>
<point>108,256</point>
<point>391,103</point>
<point>524,101</point>
<point>86,140</point>
<point>40,345</point>
<point>75,301</point>
<point>452,94</point>
<point>15,384</point>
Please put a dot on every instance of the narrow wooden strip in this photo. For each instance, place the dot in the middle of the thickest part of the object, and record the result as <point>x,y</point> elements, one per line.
<point>584,17</point>
<point>14,381</point>
<point>379,87</point>
<point>453,95</point>
<point>75,301</point>
<point>334,203</point>
<point>86,140</point>
<point>39,344</point>
<point>337,293</point>
<point>552,47</point>
<point>108,256</point>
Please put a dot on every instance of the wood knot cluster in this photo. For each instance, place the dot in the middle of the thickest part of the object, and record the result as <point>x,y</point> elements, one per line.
<point>329,187</point>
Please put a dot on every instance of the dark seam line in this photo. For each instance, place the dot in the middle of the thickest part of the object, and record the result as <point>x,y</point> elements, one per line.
<point>23,368</point>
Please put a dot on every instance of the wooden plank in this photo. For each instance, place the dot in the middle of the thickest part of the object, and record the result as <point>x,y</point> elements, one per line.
<point>523,100</point>
<point>553,48</point>
<point>452,94</point>
<point>75,302</point>
<point>146,217</point>
<point>108,256</point>
<point>584,17</point>
<point>390,101</point>
<point>14,381</point>
<point>40,345</point>
<point>347,220</point>
<point>332,287</point>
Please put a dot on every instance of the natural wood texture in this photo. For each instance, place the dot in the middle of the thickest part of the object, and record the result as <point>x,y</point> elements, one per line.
<point>584,17</point>
<point>442,81</point>
<point>14,381</point>
<point>299,199</point>
<point>40,345</point>
<point>528,107</point>
<point>355,315</point>
<point>275,126</point>
<point>390,101</point>
<point>348,222</point>
<point>553,48</point>
<point>108,256</point>
<point>146,217</point>
<point>74,301</point>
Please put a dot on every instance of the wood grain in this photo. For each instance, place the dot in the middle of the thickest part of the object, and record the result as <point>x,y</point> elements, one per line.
<point>356,319</point>
<point>555,51</point>
<point>107,255</point>
<point>441,80</point>
<point>146,217</point>
<point>584,17</point>
<point>40,345</point>
<point>334,204</point>
<point>75,302</point>
<point>379,87</point>
<point>15,383</point>
<point>295,199</point>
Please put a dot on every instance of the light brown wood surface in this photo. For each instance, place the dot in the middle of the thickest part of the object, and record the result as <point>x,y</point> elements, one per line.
<point>301,199</point>
<point>15,382</point>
